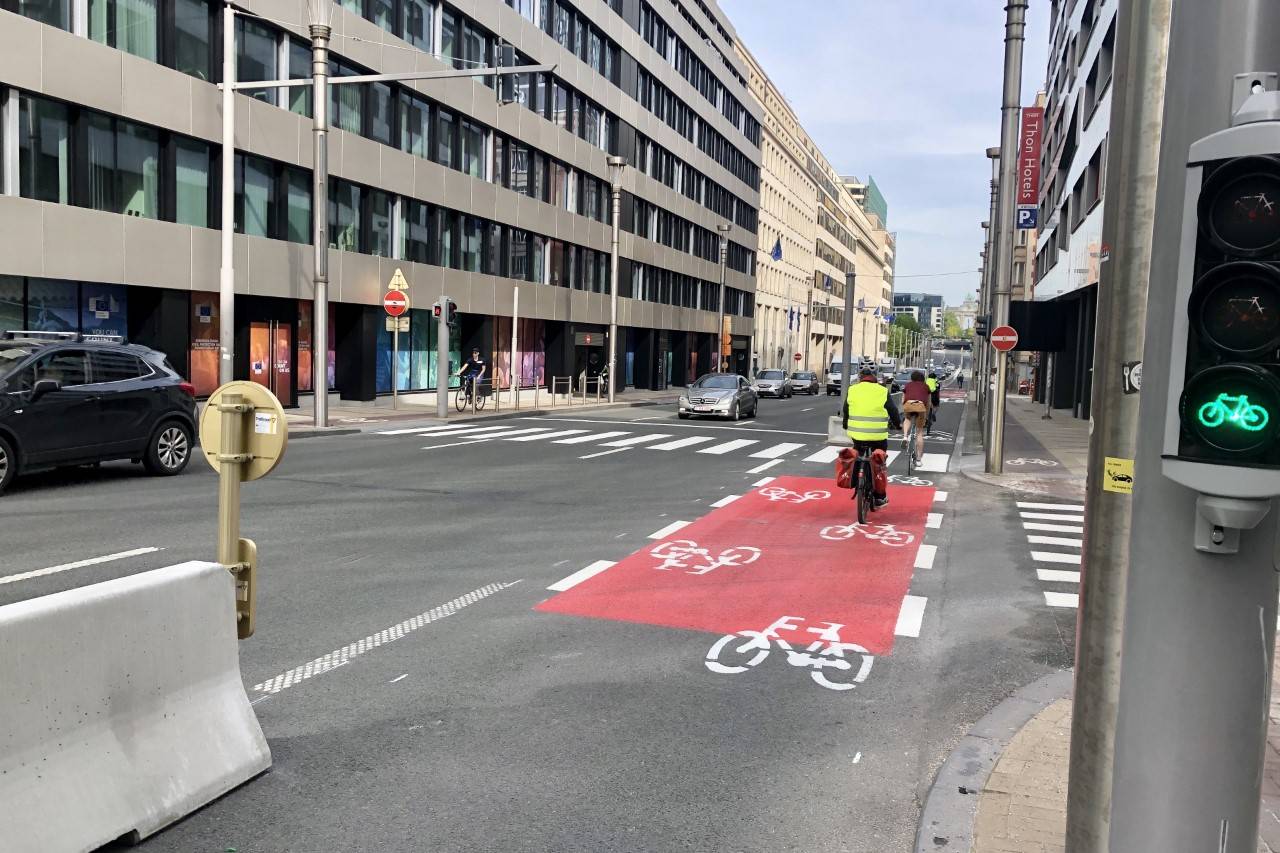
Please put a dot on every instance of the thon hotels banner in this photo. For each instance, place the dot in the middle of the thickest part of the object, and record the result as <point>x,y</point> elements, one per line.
<point>1029,166</point>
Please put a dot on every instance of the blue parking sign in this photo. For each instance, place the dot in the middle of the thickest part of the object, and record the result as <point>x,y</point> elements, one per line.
<point>1027,217</point>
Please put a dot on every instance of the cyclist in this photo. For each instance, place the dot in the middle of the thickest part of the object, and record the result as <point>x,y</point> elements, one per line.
<point>935,399</point>
<point>916,405</point>
<point>472,371</point>
<point>867,413</point>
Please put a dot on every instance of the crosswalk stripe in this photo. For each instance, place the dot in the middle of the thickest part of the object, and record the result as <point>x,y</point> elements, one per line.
<point>580,575</point>
<point>506,434</point>
<point>681,442</point>
<point>1050,516</point>
<point>940,496</point>
<point>1057,576</point>
<point>489,430</point>
<point>1054,528</point>
<point>421,430</point>
<point>826,454</point>
<point>1059,507</point>
<point>1055,557</point>
<point>776,451</point>
<point>1056,540</point>
<point>935,462</point>
<point>637,439</point>
<point>1062,599</point>
<point>583,439</point>
<point>556,434</point>
<point>727,446</point>
<point>925,556</point>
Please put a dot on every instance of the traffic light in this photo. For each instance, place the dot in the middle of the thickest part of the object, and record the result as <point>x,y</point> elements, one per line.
<point>981,325</point>
<point>450,306</point>
<point>1222,423</point>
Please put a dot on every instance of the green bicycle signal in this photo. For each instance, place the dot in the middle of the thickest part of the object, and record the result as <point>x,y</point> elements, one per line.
<point>1236,410</point>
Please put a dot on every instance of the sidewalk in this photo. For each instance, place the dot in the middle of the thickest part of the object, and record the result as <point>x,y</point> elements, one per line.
<point>1030,465</point>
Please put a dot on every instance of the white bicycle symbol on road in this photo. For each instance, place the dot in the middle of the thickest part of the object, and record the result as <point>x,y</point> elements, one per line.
<point>696,560</point>
<point>777,493</point>
<point>904,480</point>
<point>1043,463</point>
<point>886,534</point>
<point>736,653</point>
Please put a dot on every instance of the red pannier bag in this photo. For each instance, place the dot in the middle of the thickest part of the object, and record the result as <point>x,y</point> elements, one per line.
<point>844,467</point>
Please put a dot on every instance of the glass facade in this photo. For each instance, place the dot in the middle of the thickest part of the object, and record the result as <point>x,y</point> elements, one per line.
<point>256,56</point>
<point>192,183</point>
<point>129,25</point>
<point>193,38</point>
<point>44,150</point>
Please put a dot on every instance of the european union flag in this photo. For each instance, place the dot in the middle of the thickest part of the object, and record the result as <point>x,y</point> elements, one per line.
<point>776,254</point>
<point>862,304</point>
<point>827,284</point>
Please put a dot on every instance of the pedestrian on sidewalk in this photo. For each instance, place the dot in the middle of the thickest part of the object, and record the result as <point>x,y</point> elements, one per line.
<point>960,380</point>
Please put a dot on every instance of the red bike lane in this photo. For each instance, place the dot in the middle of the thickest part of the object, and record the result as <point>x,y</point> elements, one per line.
<point>790,548</point>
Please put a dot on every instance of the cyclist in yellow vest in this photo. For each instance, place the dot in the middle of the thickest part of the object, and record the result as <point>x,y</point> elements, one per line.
<point>932,381</point>
<point>868,413</point>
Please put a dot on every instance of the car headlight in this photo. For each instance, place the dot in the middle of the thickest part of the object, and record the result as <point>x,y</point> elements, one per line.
<point>684,401</point>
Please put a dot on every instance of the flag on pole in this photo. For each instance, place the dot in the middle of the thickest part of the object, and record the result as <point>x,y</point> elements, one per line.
<point>776,254</point>
<point>827,283</point>
<point>862,304</point>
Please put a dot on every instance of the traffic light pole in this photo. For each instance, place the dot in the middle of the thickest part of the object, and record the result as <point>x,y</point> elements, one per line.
<point>442,359</point>
<point>1199,627</point>
<point>1132,168</point>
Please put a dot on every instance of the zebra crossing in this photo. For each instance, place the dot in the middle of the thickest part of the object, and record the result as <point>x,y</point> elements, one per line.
<point>1050,553</point>
<point>767,452</point>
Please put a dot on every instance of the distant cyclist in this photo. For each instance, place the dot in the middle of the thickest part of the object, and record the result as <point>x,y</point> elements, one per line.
<point>916,405</point>
<point>868,412</point>
<point>935,399</point>
<point>472,371</point>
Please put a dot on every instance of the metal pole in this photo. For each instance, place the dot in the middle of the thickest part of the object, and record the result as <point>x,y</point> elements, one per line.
<point>395,364</point>
<point>1015,25</point>
<point>230,447</point>
<point>826,337</point>
<point>724,265</point>
<point>846,354</point>
<point>227,273</point>
<point>1050,358</point>
<point>980,354</point>
<point>515,371</point>
<point>319,223</point>
<point>442,359</point>
<point>616,163</point>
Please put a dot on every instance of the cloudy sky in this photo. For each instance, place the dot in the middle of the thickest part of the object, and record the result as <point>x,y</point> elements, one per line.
<point>909,92</point>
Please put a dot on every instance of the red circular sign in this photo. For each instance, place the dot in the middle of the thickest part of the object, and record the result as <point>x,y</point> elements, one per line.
<point>1004,338</point>
<point>798,357</point>
<point>395,302</point>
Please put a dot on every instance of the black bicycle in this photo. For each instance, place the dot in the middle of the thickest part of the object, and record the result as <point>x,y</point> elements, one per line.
<point>864,485</point>
<point>466,391</point>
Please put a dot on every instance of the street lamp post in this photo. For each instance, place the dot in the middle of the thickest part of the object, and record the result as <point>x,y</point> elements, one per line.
<point>320,14</point>
<point>227,273</point>
<point>724,265</point>
<point>616,167</point>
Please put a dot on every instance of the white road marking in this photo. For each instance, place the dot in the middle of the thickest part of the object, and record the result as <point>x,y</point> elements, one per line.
<point>925,556</point>
<point>1062,599</point>
<point>1053,528</point>
<point>940,496</point>
<point>936,462</point>
<point>419,430</point>
<point>681,442</point>
<point>826,454</point>
<point>398,678</point>
<point>455,444</point>
<point>810,409</point>
<point>763,481</point>
<point>507,433</point>
<point>669,529</point>
<point>583,439</point>
<point>778,450</point>
<point>605,453</point>
<point>674,425</point>
<point>726,500</point>
<point>581,574</point>
<point>1050,516</point>
<point>1060,507</point>
<point>450,433</point>
<point>857,758</point>
<point>344,655</point>
<point>78,564</point>
<point>933,520</point>
<point>1055,557</point>
<point>911,616</point>
<point>892,455</point>
<point>543,435</point>
<point>720,449</point>
<point>638,439</point>
<point>1058,576</point>
<point>1056,540</point>
<point>764,466</point>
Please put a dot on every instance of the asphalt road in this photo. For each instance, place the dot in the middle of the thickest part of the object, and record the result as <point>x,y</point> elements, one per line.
<point>505,728</point>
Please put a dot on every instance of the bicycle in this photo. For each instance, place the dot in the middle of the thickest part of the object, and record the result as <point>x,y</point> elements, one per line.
<point>913,460</point>
<point>864,485</point>
<point>466,392</point>
<point>1238,410</point>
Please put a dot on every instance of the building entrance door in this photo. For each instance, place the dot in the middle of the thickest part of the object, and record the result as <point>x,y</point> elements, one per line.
<point>271,357</point>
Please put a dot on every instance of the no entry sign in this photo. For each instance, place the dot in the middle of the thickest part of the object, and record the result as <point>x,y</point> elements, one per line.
<point>798,357</point>
<point>1004,338</point>
<point>395,302</point>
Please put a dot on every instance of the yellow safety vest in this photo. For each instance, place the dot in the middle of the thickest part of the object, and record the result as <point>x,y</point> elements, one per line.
<point>868,419</point>
<point>932,383</point>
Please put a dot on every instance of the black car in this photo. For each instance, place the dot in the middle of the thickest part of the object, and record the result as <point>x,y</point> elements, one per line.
<point>69,399</point>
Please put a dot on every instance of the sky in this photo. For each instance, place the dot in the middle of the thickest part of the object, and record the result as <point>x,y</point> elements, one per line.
<point>908,92</point>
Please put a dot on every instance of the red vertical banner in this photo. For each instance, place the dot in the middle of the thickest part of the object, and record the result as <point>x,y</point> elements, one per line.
<point>1029,140</point>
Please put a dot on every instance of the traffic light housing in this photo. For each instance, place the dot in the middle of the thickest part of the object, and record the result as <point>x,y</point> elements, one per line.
<point>448,306</point>
<point>1222,422</point>
<point>982,325</point>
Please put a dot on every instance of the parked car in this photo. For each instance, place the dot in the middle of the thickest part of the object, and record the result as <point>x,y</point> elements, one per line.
<point>805,382</point>
<point>725,395</point>
<point>70,399</point>
<point>773,383</point>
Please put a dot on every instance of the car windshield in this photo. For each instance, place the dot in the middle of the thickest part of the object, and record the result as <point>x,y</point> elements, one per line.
<point>771,374</point>
<point>10,358</point>
<point>806,374</point>
<point>717,380</point>
<point>902,378</point>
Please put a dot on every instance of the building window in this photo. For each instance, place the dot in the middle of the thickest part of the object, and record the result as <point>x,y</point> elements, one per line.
<point>298,206</point>
<point>445,125</point>
<point>191,183</point>
<point>447,221</point>
<point>344,215</point>
<point>415,120</point>
<point>473,149</point>
<point>379,224</point>
<point>418,23</point>
<point>128,25</point>
<point>299,69</point>
<point>55,13</point>
<point>495,252</point>
<point>379,123</point>
<point>449,53</point>
<point>193,38</point>
<point>256,56</point>
<point>255,196</point>
<point>346,101</point>
<point>44,169</point>
<point>415,231</point>
<point>538,176</point>
<point>472,243</point>
<point>383,13</point>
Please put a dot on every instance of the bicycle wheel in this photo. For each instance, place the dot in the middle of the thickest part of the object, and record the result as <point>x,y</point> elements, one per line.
<point>460,399</point>
<point>864,493</point>
<point>911,449</point>
<point>480,400</point>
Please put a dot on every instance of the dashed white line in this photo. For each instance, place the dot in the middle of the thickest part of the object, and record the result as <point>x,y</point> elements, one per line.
<point>581,574</point>
<point>940,496</point>
<point>1055,557</point>
<point>764,466</point>
<point>1053,528</point>
<point>726,500</point>
<point>1060,507</point>
<point>605,453</point>
<point>78,564</point>
<point>1062,599</point>
<point>925,556</point>
<point>1058,576</point>
<point>933,520</point>
<point>1056,540</point>
<point>763,481</point>
<point>669,529</point>
<point>911,616</point>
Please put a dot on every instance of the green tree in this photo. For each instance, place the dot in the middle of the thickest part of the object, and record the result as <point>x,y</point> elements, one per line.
<point>951,325</point>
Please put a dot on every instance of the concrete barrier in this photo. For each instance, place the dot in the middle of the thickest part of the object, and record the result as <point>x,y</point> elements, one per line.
<point>121,709</point>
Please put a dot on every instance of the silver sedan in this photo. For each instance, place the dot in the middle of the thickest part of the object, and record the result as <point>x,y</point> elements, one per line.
<point>724,395</point>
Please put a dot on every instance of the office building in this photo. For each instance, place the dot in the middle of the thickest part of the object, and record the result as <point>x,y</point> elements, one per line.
<point>925,308</point>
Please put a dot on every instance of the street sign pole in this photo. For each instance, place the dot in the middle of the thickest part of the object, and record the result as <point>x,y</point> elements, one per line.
<point>442,359</point>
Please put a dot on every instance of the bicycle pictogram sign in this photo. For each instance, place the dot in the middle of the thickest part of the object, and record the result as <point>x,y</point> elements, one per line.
<point>777,493</point>
<point>696,560</point>
<point>836,665</point>
<point>886,534</point>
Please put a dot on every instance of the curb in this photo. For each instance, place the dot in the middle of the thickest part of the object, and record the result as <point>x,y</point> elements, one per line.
<point>947,818</point>
<point>313,432</point>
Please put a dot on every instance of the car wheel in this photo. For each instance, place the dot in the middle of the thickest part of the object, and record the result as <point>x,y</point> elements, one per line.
<point>682,416</point>
<point>736,412</point>
<point>169,449</point>
<point>8,464</point>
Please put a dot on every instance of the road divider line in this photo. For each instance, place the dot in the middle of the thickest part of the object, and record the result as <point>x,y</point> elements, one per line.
<point>911,616</point>
<point>1067,541</point>
<point>605,453</point>
<point>926,555</point>
<point>1062,599</point>
<point>1060,507</point>
<point>1053,528</point>
<point>1058,576</point>
<point>764,466</point>
<point>940,496</point>
<point>669,529</point>
<point>581,574</point>
<point>726,500</point>
<point>344,655</point>
<point>763,481</point>
<point>78,564</point>
<point>933,520</point>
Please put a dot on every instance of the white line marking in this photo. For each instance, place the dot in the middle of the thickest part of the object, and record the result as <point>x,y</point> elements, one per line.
<point>681,442</point>
<point>1058,576</point>
<point>669,529</point>
<point>473,430</point>
<point>420,430</point>
<point>638,439</point>
<point>507,433</point>
<point>893,454</point>
<point>260,699</point>
<point>720,449</point>
<point>398,678</point>
<point>674,425</point>
<point>581,574</point>
<point>1061,507</point>
<point>776,451</point>
<point>543,435</point>
<point>1053,528</point>
<point>810,409</point>
<point>763,481</point>
<point>933,520</point>
<point>1055,557</point>
<point>940,496</point>
<point>857,758</point>
<point>592,436</point>
<point>344,655</point>
<point>765,466</point>
<point>78,564</point>
<point>826,454</point>
<point>925,556</point>
<point>935,462</point>
<point>1062,599</point>
<point>605,453</point>
<point>1050,516</point>
<point>726,500</point>
<point>1056,540</point>
<point>911,616</point>
<point>454,444</point>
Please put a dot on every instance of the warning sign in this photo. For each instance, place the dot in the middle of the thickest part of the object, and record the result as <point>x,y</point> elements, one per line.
<point>1117,475</point>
